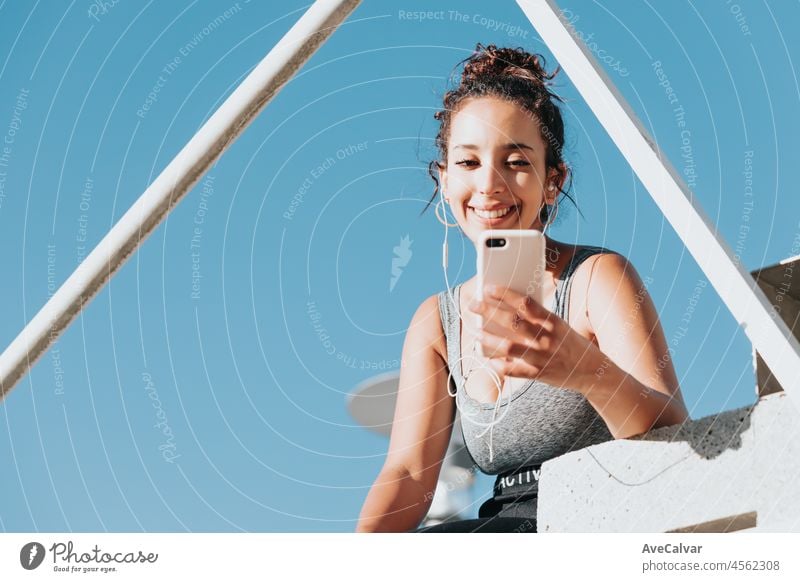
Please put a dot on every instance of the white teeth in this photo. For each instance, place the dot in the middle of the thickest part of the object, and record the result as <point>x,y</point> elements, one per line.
<point>492,213</point>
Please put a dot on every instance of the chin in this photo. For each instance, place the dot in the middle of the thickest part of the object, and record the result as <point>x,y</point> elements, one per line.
<point>511,221</point>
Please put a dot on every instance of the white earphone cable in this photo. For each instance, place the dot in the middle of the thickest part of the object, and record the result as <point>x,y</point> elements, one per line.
<point>495,377</point>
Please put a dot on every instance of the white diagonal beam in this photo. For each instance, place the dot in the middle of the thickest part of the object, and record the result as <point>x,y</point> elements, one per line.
<point>737,288</point>
<point>182,173</point>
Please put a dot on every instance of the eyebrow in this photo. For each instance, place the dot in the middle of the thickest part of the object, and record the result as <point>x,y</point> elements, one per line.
<point>508,146</point>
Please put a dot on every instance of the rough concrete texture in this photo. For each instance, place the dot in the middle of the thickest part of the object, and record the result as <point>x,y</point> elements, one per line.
<point>737,462</point>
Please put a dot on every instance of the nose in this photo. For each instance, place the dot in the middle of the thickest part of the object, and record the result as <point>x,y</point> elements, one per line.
<point>490,180</point>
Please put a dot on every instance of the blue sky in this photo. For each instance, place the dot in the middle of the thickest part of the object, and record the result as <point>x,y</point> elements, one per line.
<point>204,388</point>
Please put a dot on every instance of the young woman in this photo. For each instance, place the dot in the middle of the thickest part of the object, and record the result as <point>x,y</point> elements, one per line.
<point>594,351</point>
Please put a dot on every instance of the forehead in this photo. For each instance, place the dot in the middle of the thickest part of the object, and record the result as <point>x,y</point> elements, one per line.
<point>490,120</point>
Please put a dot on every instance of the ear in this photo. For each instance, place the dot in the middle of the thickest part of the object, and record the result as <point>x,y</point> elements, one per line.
<point>442,177</point>
<point>555,177</point>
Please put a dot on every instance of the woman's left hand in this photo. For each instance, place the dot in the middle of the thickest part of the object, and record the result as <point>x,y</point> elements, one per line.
<point>523,339</point>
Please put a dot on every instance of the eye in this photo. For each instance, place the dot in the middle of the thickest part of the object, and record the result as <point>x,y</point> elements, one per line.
<point>519,163</point>
<point>467,163</point>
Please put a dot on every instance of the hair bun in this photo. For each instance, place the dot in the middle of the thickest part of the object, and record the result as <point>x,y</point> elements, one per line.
<point>490,61</point>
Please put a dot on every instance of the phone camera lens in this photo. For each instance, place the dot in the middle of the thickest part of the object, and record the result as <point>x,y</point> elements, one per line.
<point>495,242</point>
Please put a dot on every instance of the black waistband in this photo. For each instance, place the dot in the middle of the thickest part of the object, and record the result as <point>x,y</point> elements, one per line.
<point>520,484</point>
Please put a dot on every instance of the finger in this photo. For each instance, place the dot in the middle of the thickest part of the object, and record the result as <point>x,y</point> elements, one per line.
<point>515,367</point>
<point>528,307</point>
<point>500,346</point>
<point>509,318</point>
<point>493,346</point>
<point>502,293</point>
<point>499,317</point>
<point>489,305</point>
<point>534,335</point>
<point>500,311</point>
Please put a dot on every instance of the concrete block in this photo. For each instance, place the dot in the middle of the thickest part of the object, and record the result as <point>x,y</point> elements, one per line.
<point>776,468</point>
<point>728,471</point>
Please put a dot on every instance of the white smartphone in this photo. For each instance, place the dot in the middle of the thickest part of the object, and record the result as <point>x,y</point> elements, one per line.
<point>513,259</point>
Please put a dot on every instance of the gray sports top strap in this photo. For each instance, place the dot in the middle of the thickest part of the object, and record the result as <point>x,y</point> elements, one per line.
<point>543,421</point>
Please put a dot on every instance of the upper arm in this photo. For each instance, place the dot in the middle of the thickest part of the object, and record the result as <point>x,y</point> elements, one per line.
<point>625,322</point>
<point>424,413</point>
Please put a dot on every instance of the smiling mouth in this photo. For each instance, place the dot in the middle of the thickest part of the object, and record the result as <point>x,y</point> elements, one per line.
<point>493,214</point>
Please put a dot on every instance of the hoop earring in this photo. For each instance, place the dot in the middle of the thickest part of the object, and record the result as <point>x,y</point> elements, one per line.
<point>552,212</point>
<point>443,217</point>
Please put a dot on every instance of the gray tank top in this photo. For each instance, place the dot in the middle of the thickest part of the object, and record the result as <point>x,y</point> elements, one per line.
<point>543,421</point>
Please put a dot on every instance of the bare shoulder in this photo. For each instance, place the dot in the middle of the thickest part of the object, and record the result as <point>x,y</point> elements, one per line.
<point>425,329</point>
<point>624,322</point>
<point>603,280</point>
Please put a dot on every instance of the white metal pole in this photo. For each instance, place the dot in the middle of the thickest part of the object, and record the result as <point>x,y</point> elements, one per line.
<point>737,288</point>
<point>183,172</point>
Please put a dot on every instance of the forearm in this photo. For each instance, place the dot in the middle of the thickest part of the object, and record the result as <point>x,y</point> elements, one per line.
<point>395,503</point>
<point>627,406</point>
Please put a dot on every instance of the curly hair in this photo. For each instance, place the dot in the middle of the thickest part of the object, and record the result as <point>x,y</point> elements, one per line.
<point>517,76</point>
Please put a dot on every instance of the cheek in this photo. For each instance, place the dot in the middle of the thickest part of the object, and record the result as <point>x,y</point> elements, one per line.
<point>457,181</point>
<point>458,193</point>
